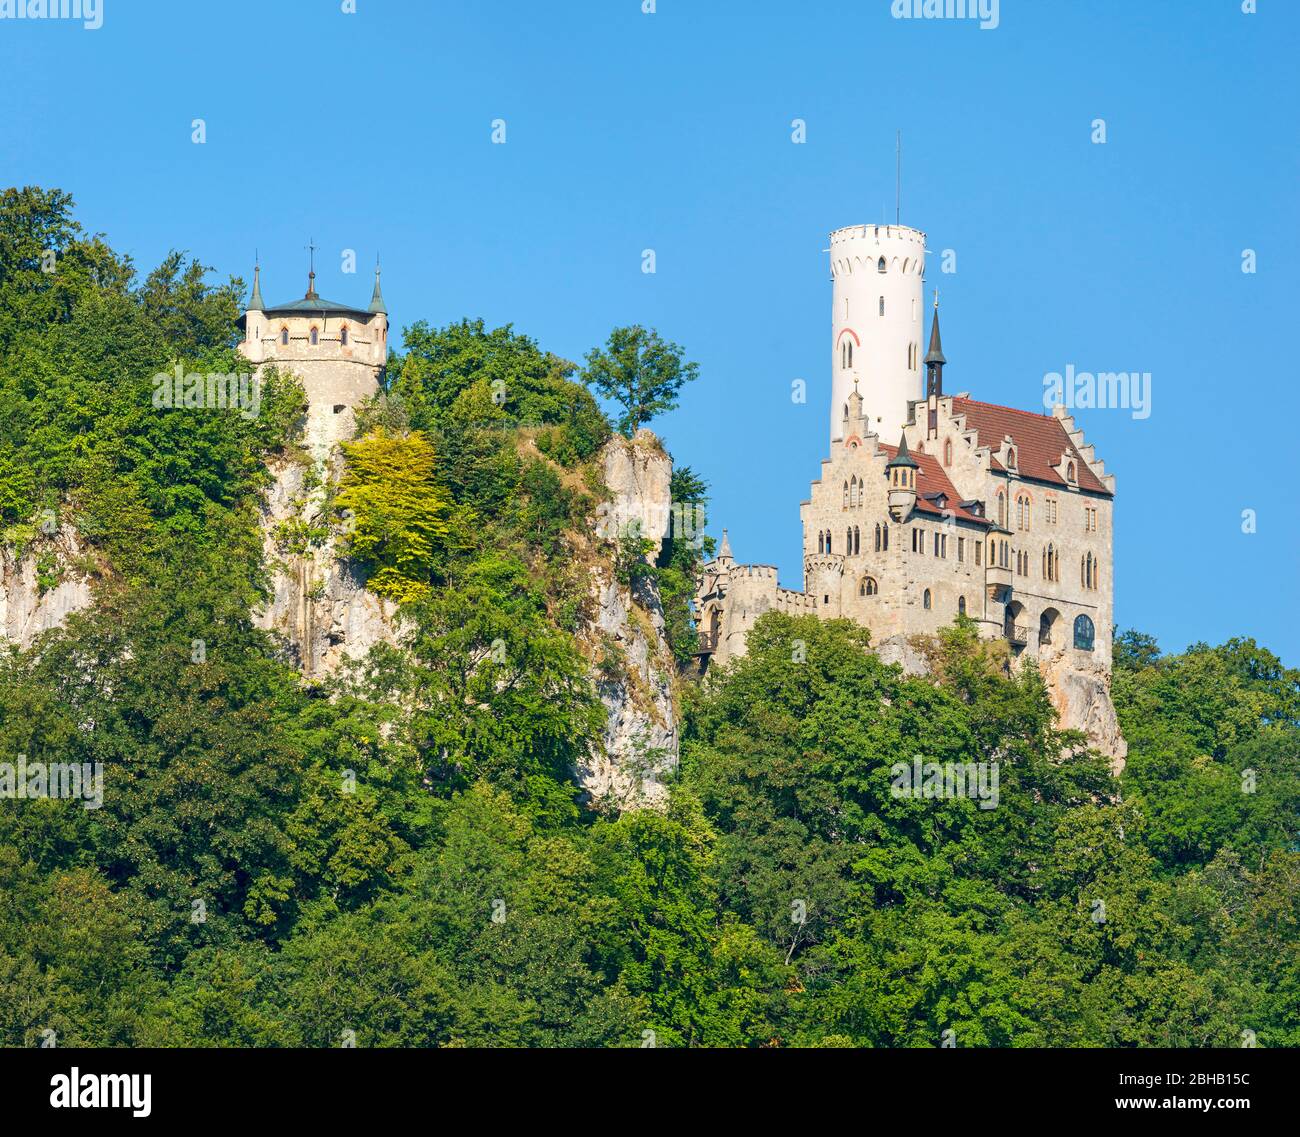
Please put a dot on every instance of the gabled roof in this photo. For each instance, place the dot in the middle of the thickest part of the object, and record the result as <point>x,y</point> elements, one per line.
<point>1040,442</point>
<point>931,482</point>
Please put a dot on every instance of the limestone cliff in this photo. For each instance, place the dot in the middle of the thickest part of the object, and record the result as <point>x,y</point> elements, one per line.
<point>633,667</point>
<point>319,603</point>
<point>42,583</point>
<point>325,615</point>
<point>1081,695</point>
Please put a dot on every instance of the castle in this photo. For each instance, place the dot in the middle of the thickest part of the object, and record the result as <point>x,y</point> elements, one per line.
<point>338,351</point>
<point>933,505</point>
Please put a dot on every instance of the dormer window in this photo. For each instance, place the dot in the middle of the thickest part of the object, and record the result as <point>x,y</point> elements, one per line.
<point>314,337</point>
<point>1011,457</point>
<point>1069,472</point>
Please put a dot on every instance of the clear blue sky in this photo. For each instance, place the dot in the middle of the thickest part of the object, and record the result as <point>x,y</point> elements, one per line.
<point>671,131</point>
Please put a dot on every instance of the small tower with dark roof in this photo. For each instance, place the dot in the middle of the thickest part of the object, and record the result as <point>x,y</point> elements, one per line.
<point>934,359</point>
<point>901,471</point>
<point>337,350</point>
<point>934,362</point>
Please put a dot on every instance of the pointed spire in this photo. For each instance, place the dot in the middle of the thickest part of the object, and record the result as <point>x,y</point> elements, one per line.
<point>311,275</point>
<point>725,549</point>
<point>255,301</point>
<point>935,354</point>
<point>377,297</point>
<point>903,457</point>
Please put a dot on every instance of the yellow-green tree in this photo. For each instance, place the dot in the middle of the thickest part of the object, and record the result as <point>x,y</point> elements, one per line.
<point>400,517</point>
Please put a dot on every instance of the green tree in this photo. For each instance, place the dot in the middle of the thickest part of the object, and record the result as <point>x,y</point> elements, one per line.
<point>641,372</point>
<point>401,518</point>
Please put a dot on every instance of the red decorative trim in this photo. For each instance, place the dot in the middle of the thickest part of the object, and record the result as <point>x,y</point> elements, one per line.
<point>851,332</point>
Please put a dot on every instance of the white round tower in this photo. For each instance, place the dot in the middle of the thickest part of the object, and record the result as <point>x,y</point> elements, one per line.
<point>877,283</point>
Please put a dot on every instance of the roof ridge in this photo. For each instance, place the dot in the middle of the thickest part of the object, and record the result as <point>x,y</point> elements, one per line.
<point>1004,407</point>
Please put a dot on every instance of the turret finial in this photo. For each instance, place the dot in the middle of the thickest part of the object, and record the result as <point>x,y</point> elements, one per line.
<point>255,300</point>
<point>311,274</point>
<point>377,297</point>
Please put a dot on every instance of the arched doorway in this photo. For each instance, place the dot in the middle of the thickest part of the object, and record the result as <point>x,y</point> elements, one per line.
<point>1013,626</point>
<point>1048,630</point>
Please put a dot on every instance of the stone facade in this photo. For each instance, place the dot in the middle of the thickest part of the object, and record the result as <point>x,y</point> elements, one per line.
<point>338,351</point>
<point>1001,515</point>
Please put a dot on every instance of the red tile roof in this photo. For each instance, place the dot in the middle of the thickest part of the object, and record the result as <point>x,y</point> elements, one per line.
<point>1040,441</point>
<point>932,478</point>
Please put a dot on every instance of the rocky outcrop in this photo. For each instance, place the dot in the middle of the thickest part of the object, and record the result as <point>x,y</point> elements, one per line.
<point>325,615</point>
<point>42,584</point>
<point>902,650</point>
<point>634,670</point>
<point>319,604</point>
<point>1081,696</point>
<point>639,476</point>
<point>634,679</point>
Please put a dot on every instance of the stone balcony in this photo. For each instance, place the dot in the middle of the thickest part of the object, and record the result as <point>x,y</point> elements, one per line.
<point>998,580</point>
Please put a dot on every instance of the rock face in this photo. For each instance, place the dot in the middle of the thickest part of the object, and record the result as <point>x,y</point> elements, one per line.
<point>321,607</point>
<point>26,608</point>
<point>319,603</point>
<point>901,650</point>
<point>634,671</point>
<point>639,475</point>
<point>1082,699</point>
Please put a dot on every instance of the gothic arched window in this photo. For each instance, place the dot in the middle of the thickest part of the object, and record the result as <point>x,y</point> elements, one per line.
<point>947,452</point>
<point>884,533</point>
<point>857,541</point>
<point>877,536</point>
<point>925,600</point>
<point>961,605</point>
<point>284,337</point>
<point>867,587</point>
<point>880,265</point>
<point>1084,633</point>
<point>1022,511</point>
<point>343,336</point>
<point>314,337</point>
<point>1069,472</point>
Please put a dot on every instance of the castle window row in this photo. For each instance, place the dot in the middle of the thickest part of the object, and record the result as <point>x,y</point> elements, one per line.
<point>313,336</point>
<point>1023,515</point>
